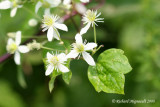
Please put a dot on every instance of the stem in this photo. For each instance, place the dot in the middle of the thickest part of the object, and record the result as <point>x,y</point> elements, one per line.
<point>33,37</point>
<point>95,39</point>
<point>32,13</point>
<point>50,49</point>
<point>59,37</point>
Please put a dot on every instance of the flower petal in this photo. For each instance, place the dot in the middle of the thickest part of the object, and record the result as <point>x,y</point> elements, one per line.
<point>55,34</point>
<point>78,38</point>
<point>72,54</point>
<point>90,46</point>
<point>85,29</point>
<point>38,5</point>
<point>50,33</point>
<point>13,12</point>
<point>66,2</point>
<point>63,68</point>
<point>88,58</point>
<point>61,26</point>
<point>62,57</point>
<point>84,1</point>
<point>49,55</point>
<point>17,58</point>
<point>18,37</point>
<point>10,41</point>
<point>5,4</point>
<point>23,49</point>
<point>49,70</point>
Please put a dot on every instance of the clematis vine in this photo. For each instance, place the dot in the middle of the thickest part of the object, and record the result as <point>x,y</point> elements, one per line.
<point>13,4</point>
<point>80,48</point>
<point>14,47</point>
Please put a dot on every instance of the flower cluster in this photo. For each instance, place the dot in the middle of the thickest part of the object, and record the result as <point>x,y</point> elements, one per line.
<point>52,23</point>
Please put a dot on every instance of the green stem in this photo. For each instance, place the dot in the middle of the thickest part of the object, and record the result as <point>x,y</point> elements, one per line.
<point>59,37</point>
<point>39,18</point>
<point>50,49</point>
<point>33,37</point>
<point>95,39</point>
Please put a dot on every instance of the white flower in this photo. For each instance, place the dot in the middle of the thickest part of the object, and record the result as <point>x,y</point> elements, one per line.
<point>84,1</point>
<point>50,23</point>
<point>14,47</point>
<point>56,62</point>
<point>90,17</point>
<point>6,4</point>
<point>47,4</point>
<point>80,48</point>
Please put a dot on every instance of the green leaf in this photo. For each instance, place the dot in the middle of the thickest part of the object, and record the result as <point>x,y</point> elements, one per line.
<point>51,84</point>
<point>108,75</point>
<point>20,77</point>
<point>115,61</point>
<point>67,77</point>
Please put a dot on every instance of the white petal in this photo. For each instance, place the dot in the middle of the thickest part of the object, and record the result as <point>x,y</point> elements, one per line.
<point>55,35</point>
<point>88,58</point>
<point>62,57</point>
<point>18,37</point>
<point>13,12</point>
<point>47,11</point>
<point>5,4</point>
<point>23,49</point>
<point>63,68</point>
<point>84,1</point>
<point>50,33</point>
<point>17,58</point>
<point>38,5</point>
<point>10,41</point>
<point>54,3</point>
<point>72,54</point>
<point>49,56</point>
<point>85,29</point>
<point>61,26</point>
<point>90,46</point>
<point>66,2</point>
<point>78,38</point>
<point>49,70</point>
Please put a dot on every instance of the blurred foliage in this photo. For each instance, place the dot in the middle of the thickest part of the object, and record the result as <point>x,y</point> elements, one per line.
<point>131,25</point>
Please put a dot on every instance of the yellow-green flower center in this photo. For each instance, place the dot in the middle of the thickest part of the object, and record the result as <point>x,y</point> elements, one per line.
<point>54,60</point>
<point>48,20</point>
<point>91,15</point>
<point>12,48</point>
<point>79,47</point>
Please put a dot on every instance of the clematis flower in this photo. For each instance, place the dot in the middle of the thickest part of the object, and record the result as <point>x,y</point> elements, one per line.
<point>56,62</point>
<point>90,18</point>
<point>50,23</point>
<point>14,47</point>
<point>6,4</point>
<point>80,48</point>
<point>47,4</point>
